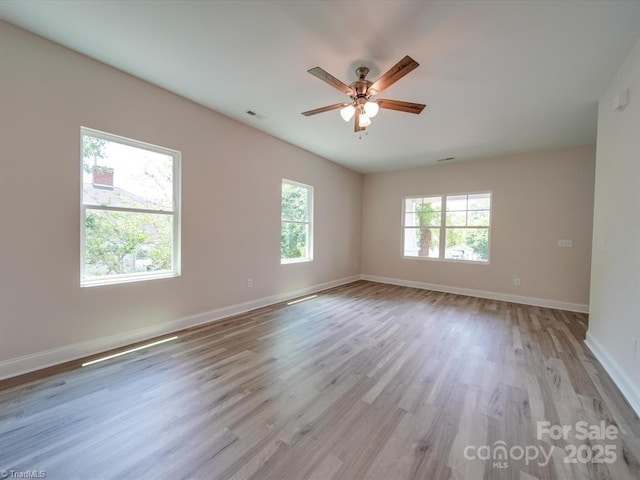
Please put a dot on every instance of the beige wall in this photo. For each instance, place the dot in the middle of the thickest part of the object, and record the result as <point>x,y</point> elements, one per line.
<point>538,198</point>
<point>615,274</point>
<point>48,92</point>
<point>231,178</point>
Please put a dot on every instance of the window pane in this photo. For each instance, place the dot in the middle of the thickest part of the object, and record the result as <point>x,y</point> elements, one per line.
<point>428,213</point>
<point>119,243</point>
<point>479,201</point>
<point>422,242</point>
<point>434,202</point>
<point>293,242</point>
<point>471,244</point>
<point>119,175</point>
<point>295,204</point>
<point>479,218</point>
<point>456,219</point>
<point>411,220</point>
<point>410,204</point>
<point>456,203</point>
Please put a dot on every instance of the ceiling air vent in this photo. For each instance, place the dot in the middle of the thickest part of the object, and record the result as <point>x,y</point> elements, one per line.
<point>259,116</point>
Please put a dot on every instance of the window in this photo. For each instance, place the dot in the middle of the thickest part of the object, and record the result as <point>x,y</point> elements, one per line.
<point>130,210</point>
<point>451,227</point>
<point>296,233</point>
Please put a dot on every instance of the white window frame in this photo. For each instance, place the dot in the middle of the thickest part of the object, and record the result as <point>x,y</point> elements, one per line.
<point>443,228</point>
<point>175,271</point>
<point>309,223</point>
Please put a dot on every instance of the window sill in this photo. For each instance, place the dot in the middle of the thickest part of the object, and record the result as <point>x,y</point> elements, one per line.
<point>446,260</point>
<point>117,279</point>
<point>285,261</point>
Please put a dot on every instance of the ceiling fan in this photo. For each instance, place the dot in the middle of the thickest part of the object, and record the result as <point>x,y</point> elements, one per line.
<point>362,106</point>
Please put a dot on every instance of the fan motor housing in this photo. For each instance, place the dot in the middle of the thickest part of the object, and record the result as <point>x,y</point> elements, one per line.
<point>361,86</point>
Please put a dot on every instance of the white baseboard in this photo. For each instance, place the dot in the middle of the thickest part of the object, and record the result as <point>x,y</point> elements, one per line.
<point>48,358</point>
<point>505,297</point>
<point>627,386</point>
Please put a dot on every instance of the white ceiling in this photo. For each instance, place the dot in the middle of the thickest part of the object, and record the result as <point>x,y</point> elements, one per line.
<point>498,77</point>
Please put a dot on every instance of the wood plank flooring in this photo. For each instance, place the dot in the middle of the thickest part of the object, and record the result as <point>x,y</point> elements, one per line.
<point>365,381</point>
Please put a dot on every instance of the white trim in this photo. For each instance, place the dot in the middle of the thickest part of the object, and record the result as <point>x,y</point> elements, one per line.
<point>627,386</point>
<point>127,278</point>
<point>505,297</point>
<point>112,137</point>
<point>286,261</point>
<point>447,260</point>
<point>48,358</point>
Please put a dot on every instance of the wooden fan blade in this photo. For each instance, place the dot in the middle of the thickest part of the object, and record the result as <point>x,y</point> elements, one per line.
<point>331,80</point>
<point>408,107</point>
<point>324,109</point>
<point>394,74</point>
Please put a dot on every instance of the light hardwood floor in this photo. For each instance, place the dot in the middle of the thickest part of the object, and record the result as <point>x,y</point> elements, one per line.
<point>366,381</point>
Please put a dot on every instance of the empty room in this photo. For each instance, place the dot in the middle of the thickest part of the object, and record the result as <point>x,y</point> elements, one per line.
<point>321,240</point>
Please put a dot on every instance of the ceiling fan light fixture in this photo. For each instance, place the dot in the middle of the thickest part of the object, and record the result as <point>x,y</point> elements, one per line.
<point>371,109</point>
<point>347,112</point>
<point>362,90</point>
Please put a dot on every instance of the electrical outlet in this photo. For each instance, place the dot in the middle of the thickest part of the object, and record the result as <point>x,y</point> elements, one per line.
<point>516,282</point>
<point>249,282</point>
<point>633,343</point>
<point>565,243</point>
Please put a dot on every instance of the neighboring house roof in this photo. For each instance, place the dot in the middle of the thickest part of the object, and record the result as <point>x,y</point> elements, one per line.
<point>115,197</point>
